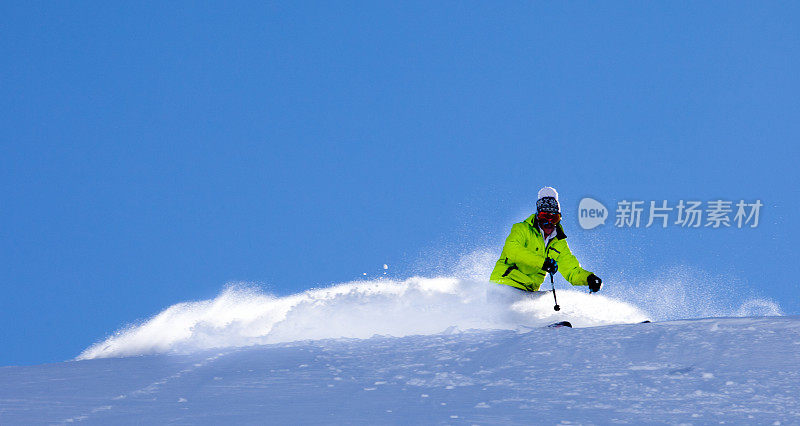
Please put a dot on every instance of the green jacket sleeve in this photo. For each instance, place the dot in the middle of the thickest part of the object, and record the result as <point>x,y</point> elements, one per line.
<point>569,266</point>
<point>517,252</point>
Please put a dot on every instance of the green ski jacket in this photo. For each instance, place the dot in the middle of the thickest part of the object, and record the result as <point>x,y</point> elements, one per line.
<point>520,263</point>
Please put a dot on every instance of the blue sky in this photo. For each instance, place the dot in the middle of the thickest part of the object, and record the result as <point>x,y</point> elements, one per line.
<point>152,153</point>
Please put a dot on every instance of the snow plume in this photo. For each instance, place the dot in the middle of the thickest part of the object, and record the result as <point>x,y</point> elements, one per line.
<point>682,292</point>
<point>244,315</point>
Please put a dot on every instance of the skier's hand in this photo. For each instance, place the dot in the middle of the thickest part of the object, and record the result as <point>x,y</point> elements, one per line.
<point>595,283</point>
<point>550,266</point>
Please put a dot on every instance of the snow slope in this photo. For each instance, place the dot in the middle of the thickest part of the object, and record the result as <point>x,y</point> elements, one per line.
<point>731,370</point>
<point>429,350</point>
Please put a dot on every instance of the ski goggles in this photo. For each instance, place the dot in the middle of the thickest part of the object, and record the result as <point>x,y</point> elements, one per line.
<point>547,217</point>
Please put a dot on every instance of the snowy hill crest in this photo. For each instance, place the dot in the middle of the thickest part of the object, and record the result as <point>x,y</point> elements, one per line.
<point>688,372</point>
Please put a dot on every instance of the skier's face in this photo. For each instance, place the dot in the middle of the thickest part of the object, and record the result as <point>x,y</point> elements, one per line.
<point>548,221</point>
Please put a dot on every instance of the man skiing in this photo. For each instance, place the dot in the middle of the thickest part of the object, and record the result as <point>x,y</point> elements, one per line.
<point>537,246</point>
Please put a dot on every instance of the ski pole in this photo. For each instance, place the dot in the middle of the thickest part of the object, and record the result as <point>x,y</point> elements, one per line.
<point>552,283</point>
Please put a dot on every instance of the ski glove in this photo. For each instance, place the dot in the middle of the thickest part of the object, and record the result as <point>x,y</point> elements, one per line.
<point>595,283</point>
<point>550,266</point>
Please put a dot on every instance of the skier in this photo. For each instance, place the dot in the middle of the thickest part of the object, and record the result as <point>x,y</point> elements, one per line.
<point>537,246</point>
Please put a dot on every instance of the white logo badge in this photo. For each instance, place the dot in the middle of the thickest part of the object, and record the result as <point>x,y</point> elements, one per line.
<point>591,213</point>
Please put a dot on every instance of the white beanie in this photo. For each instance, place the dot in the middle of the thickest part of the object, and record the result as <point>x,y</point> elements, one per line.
<point>548,200</point>
<point>548,191</point>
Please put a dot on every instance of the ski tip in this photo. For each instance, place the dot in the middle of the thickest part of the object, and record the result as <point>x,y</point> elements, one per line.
<point>560,324</point>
